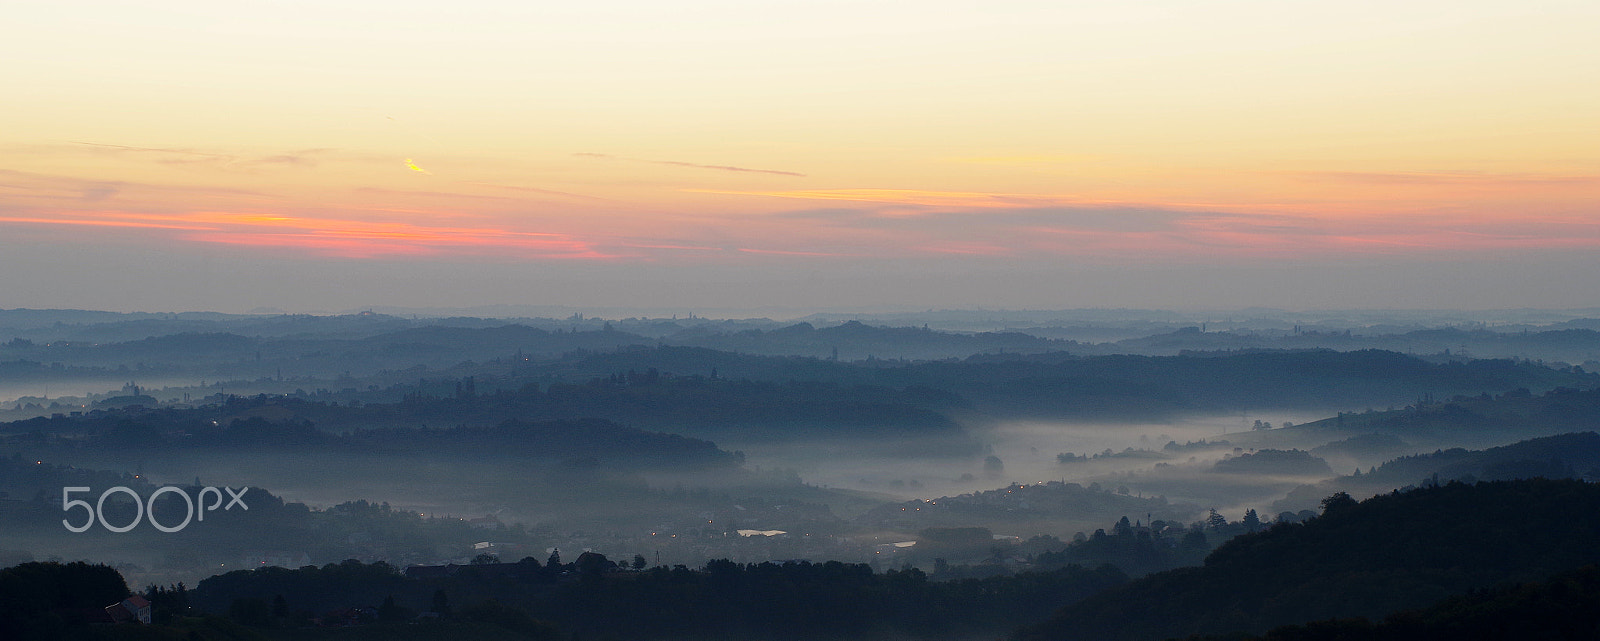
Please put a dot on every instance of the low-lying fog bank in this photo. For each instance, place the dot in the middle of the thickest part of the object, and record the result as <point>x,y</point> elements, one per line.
<point>1009,452</point>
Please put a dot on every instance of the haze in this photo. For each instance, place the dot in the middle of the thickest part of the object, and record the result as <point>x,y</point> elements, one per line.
<point>826,155</point>
<point>694,319</point>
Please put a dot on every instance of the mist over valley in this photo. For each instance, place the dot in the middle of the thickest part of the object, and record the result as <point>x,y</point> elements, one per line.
<point>960,455</point>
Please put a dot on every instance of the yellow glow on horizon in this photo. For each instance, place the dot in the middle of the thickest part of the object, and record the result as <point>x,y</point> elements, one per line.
<point>627,130</point>
<point>914,197</point>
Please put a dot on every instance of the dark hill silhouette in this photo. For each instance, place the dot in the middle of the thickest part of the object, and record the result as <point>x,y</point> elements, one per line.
<point>1574,455</point>
<point>1478,420</point>
<point>292,426</point>
<point>1388,553</point>
<point>1059,384</point>
<point>1017,504</point>
<point>503,340</point>
<point>854,340</point>
<point>1566,607</point>
<point>1274,462</point>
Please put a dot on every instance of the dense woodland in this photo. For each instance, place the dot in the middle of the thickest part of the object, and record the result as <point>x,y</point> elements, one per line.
<point>610,437</point>
<point>234,340</point>
<point>1564,606</point>
<point>1565,409</point>
<point>1367,559</point>
<point>1564,456</point>
<point>1500,556</point>
<point>554,374</point>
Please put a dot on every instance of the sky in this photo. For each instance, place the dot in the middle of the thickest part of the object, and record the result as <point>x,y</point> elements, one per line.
<point>800,155</point>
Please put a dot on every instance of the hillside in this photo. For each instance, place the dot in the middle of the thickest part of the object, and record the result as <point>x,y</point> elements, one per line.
<point>1567,606</point>
<point>1388,553</point>
<point>1479,420</point>
<point>1562,456</point>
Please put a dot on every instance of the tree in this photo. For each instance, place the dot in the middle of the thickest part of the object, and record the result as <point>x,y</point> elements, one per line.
<point>1216,520</point>
<point>1337,502</point>
<point>493,613</point>
<point>591,565</point>
<point>42,586</point>
<point>167,604</point>
<point>639,562</point>
<point>1252,521</point>
<point>250,612</point>
<point>389,611</point>
<point>441,603</point>
<point>555,558</point>
<point>485,558</point>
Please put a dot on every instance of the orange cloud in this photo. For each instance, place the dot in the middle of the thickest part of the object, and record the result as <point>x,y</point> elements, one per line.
<point>672,246</point>
<point>334,237</point>
<point>969,249</point>
<point>98,223</point>
<point>359,239</point>
<point>1447,178</point>
<point>780,252</point>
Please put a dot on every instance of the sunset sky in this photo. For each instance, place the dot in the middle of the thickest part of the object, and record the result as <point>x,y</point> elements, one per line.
<point>799,155</point>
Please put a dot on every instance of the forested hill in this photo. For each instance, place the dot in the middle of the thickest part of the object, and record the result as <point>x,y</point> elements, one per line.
<point>1388,553</point>
<point>1563,409</point>
<point>270,425</point>
<point>1061,384</point>
<point>1575,455</point>
<point>703,392</point>
<point>369,345</point>
<point>692,405</point>
<point>1567,606</point>
<point>854,340</point>
<point>695,405</point>
<point>1000,374</point>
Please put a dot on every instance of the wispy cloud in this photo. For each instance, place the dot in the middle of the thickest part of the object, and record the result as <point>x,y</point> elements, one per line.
<point>678,163</point>
<point>672,246</point>
<point>186,157</point>
<point>1014,161</point>
<point>1445,178</point>
<point>159,150</point>
<point>1154,234</point>
<point>535,190</point>
<point>917,197</point>
<point>332,237</point>
<point>36,187</point>
<point>427,194</point>
<point>782,252</point>
<point>969,248</point>
<point>22,220</point>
